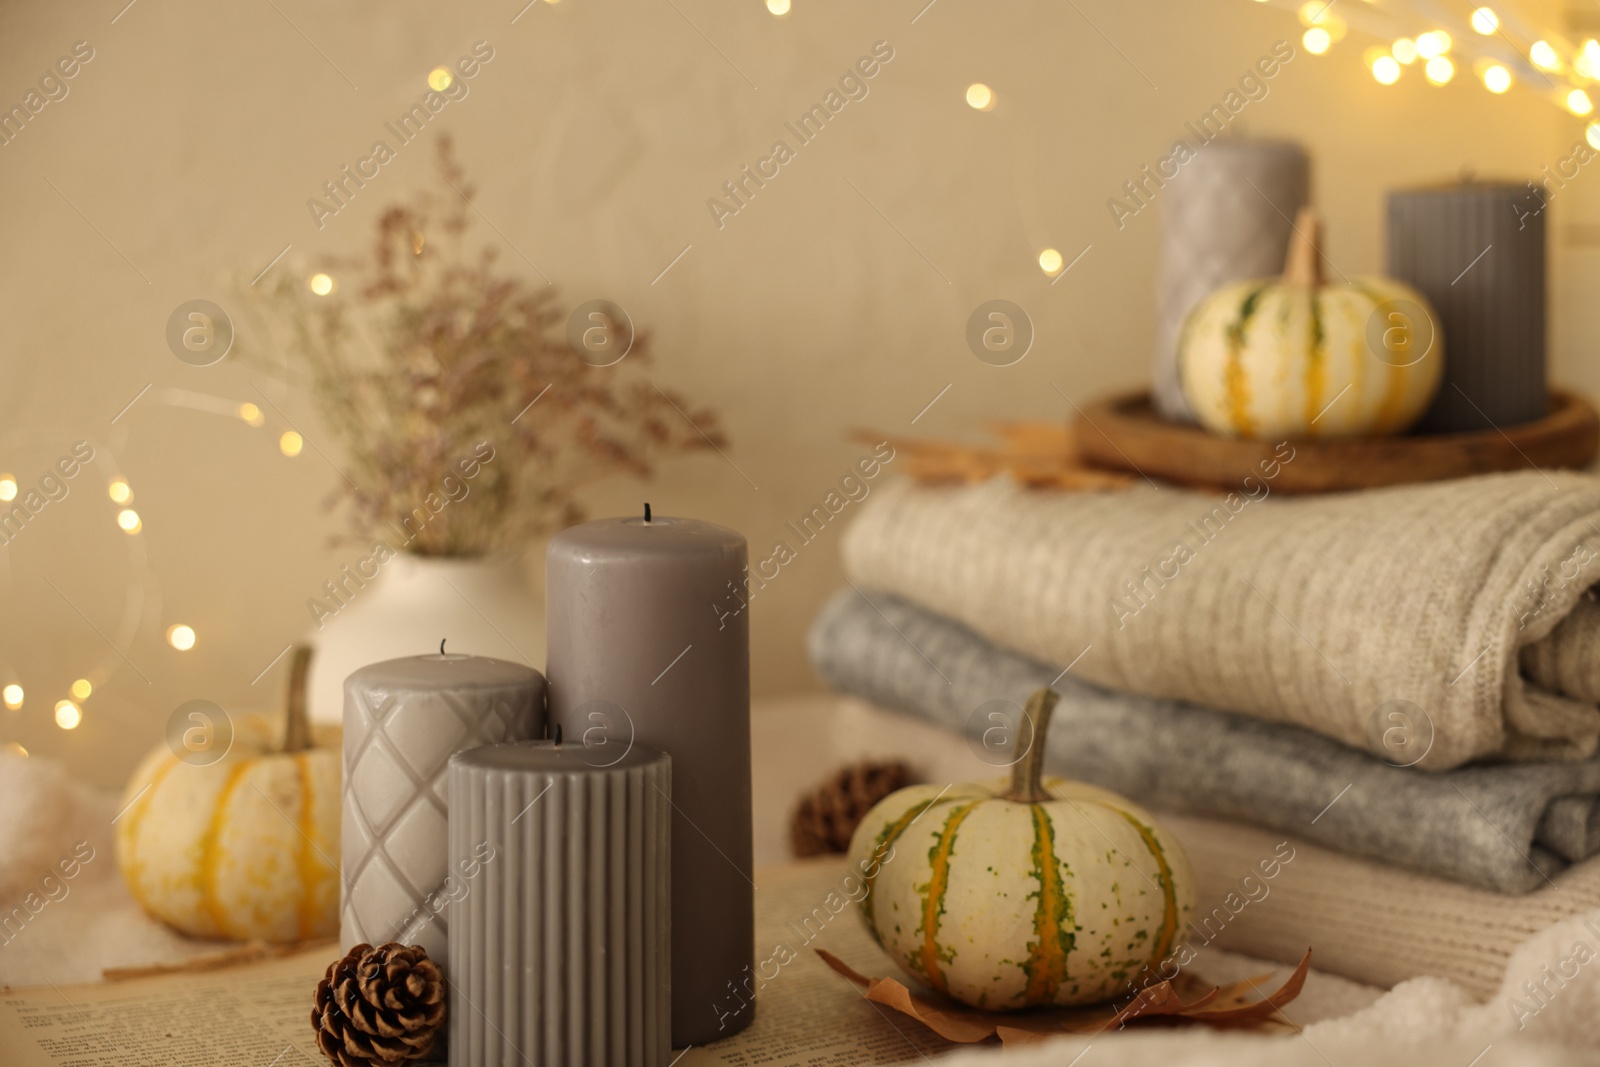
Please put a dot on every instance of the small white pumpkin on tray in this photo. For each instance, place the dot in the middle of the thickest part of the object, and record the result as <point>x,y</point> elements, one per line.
<point>1296,356</point>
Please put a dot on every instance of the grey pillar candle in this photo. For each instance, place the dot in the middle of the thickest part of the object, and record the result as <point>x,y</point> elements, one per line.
<point>1477,252</point>
<point>648,642</point>
<point>560,952</point>
<point>1224,217</point>
<point>403,719</point>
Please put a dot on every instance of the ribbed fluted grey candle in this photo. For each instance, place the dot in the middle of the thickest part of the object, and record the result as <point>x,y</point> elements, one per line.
<point>560,952</point>
<point>1477,252</point>
<point>650,642</point>
<point>1224,217</point>
<point>403,719</point>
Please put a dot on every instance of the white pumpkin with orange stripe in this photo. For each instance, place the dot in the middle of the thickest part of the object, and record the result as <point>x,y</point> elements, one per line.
<point>1296,357</point>
<point>1049,892</point>
<point>246,846</point>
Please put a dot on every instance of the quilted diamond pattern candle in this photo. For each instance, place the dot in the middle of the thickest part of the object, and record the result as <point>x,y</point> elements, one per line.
<point>403,719</point>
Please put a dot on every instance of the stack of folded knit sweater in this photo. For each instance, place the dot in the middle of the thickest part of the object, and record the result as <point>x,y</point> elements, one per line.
<point>1404,681</point>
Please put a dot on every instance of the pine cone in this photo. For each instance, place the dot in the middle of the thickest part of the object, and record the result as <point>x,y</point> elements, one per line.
<point>379,1005</point>
<point>828,816</point>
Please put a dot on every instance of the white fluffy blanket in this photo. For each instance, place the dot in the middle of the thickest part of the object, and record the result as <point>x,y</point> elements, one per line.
<point>64,912</point>
<point>1425,1022</point>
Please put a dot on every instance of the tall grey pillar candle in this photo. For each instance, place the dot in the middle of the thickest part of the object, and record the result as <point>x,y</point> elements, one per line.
<point>403,719</point>
<point>1476,251</point>
<point>1224,218</point>
<point>648,642</point>
<point>560,912</point>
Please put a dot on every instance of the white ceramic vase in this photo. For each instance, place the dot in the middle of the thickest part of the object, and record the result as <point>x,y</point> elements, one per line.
<point>486,606</point>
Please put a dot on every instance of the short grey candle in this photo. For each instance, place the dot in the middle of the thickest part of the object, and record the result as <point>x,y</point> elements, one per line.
<point>402,721</point>
<point>1476,251</point>
<point>561,909</point>
<point>650,643</point>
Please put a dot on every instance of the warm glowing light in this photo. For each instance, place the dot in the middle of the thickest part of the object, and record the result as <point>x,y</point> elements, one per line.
<point>68,715</point>
<point>1496,78</point>
<point>321,284</point>
<point>779,8</point>
<point>440,79</point>
<point>1405,50</point>
<point>1587,61</point>
<point>14,749</point>
<point>291,443</point>
<point>81,689</point>
<point>251,414</point>
<point>1578,102</point>
<point>417,242</point>
<point>1439,70</point>
<point>1386,69</point>
<point>1432,44</point>
<point>1315,13</point>
<point>1485,21</point>
<point>119,491</point>
<point>13,696</point>
<point>1317,40</point>
<point>980,96</point>
<point>1050,261</point>
<point>1593,135</point>
<point>128,519</point>
<point>8,487</point>
<point>1544,56</point>
<point>180,637</point>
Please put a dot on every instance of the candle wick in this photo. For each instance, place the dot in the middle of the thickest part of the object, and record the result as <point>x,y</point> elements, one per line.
<point>441,645</point>
<point>647,512</point>
<point>558,733</point>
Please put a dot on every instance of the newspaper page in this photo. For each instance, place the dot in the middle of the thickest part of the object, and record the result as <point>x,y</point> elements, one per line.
<point>251,1016</point>
<point>259,1015</point>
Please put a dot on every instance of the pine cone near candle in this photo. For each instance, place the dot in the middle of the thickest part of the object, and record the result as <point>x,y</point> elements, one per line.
<point>381,1005</point>
<point>829,814</point>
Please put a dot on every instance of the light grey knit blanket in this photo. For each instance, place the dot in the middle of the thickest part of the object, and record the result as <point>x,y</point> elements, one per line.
<point>1506,827</point>
<point>1322,611</point>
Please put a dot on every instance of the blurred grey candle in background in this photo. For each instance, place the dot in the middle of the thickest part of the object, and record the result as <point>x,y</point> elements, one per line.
<point>560,915</point>
<point>403,719</point>
<point>649,643</point>
<point>1224,217</point>
<point>1476,250</point>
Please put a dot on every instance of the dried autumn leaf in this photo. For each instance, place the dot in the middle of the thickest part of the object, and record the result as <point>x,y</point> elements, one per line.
<point>1188,998</point>
<point>1040,455</point>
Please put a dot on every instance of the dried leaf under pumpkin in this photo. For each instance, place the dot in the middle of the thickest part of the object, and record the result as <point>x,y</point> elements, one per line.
<point>1188,998</point>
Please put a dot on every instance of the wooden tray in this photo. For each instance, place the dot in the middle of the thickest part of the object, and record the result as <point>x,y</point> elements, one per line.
<point>1125,433</point>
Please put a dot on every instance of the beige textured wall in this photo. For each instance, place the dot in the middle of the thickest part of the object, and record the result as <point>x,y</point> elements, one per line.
<point>187,148</point>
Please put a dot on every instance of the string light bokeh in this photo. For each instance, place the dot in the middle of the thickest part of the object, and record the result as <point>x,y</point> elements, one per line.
<point>1504,49</point>
<point>69,711</point>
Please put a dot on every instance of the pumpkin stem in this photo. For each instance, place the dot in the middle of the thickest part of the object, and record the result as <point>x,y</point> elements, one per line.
<point>297,725</point>
<point>1027,773</point>
<point>1303,265</point>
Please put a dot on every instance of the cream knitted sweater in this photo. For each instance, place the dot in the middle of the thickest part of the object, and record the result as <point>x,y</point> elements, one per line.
<point>1336,612</point>
<point>1363,920</point>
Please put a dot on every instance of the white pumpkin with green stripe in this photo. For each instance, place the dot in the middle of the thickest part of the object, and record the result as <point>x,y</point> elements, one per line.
<point>1046,892</point>
<point>243,846</point>
<point>1296,357</point>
